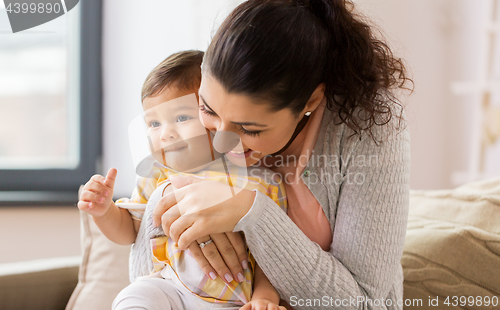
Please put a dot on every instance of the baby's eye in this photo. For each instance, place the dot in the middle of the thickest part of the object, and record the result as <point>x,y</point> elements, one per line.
<point>154,124</point>
<point>183,118</point>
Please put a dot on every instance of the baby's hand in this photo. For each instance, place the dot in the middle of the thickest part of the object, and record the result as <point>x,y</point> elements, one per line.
<point>97,194</point>
<point>262,304</point>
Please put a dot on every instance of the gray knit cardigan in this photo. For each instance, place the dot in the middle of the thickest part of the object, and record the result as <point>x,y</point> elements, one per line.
<point>363,188</point>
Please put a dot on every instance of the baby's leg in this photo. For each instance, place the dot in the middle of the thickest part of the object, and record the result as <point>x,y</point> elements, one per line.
<point>149,294</point>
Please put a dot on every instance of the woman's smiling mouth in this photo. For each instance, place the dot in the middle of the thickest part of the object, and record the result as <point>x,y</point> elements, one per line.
<point>243,154</point>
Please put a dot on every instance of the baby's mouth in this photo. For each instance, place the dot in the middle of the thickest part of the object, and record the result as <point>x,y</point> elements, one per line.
<point>175,147</point>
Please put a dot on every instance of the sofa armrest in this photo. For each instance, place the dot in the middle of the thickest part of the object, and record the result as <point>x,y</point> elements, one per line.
<point>40,284</point>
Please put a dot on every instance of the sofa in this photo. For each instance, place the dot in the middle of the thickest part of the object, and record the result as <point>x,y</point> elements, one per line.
<point>451,259</point>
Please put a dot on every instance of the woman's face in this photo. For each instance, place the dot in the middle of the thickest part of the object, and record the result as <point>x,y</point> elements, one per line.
<point>261,131</point>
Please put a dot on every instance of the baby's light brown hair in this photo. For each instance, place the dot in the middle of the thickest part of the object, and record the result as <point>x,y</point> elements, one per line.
<point>181,70</point>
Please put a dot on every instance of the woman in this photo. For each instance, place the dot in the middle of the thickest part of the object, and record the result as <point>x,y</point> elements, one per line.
<point>310,91</point>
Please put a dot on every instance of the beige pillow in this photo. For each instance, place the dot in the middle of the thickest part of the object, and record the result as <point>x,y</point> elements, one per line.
<point>103,272</point>
<point>452,248</point>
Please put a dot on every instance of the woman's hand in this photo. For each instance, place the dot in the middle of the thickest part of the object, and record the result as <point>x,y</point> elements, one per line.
<point>198,208</point>
<point>225,256</point>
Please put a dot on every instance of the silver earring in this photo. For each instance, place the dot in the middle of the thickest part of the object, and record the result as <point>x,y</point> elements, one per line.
<point>308,113</point>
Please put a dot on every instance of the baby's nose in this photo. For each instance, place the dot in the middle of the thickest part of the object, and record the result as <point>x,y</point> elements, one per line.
<point>169,133</point>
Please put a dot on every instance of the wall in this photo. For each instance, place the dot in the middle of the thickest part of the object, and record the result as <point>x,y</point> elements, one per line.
<point>35,232</point>
<point>135,39</point>
<point>443,42</point>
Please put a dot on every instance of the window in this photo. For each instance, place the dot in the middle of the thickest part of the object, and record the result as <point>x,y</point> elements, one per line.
<point>50,106</point>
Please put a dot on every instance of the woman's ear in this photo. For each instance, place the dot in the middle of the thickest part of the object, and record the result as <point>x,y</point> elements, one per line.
<point>315,99</point>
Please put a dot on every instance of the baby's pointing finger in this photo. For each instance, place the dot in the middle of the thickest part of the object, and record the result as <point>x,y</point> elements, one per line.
<point>111,177</point>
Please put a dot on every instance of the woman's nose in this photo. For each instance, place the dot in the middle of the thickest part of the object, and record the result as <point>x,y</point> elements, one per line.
<point>225,141</point>
<point>221,127</point>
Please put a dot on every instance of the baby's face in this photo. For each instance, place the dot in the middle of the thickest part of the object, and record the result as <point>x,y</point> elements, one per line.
<point>176,136</point>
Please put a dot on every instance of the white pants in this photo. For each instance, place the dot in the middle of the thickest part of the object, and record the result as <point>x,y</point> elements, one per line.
<point>162,294</point>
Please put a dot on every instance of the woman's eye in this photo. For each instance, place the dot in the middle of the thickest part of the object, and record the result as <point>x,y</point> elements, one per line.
<point>204,110</point>
<point>247,132</point>
<point>250,133</point>
<point>154,124</point>
<point>183,118</point>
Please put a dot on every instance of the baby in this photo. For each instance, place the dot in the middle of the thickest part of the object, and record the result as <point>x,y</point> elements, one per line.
<point>179,145</point>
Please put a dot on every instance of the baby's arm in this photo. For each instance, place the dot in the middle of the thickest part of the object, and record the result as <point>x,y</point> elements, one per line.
<point>264,296</point>
<point>96,199</point>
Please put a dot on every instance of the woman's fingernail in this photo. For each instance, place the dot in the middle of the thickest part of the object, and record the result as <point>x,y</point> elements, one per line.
<point>155,224</point>
<point>241,278</point>
<point>228,277</point>
<point>212,275</point>
<point>244,264</point>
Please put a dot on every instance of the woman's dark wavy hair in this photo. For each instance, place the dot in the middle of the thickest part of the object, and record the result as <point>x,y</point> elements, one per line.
<point>279,51</point>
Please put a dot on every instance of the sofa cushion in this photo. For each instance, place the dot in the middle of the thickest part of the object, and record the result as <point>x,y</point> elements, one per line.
<point>452,247</point>
<point>103,272</point>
